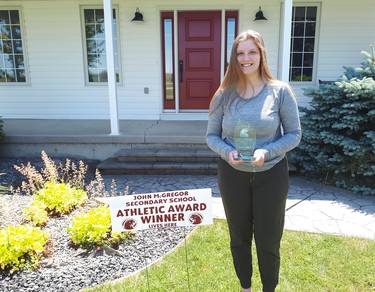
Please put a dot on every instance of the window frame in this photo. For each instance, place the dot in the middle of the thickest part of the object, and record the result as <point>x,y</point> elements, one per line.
<point>168,104</point>
<point>84,45</point>
<point>315,49</point>
<point>24,47</point>
<point>229,14</point>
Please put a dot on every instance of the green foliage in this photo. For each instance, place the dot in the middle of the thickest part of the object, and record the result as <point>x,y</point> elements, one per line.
<point>56,190</point>
<point>21,247</point>
<point>338,134</point>
<point>60,198</point>
<point>55,199</point>
<point>68,173</point>
<point>36,213</point>
<point>94,229</point>
<point>367,68</point>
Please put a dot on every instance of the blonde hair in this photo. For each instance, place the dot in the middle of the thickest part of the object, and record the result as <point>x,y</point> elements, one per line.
<point>235,81</point>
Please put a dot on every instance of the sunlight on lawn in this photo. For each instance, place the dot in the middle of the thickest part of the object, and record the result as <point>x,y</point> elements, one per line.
<point>310,262</point>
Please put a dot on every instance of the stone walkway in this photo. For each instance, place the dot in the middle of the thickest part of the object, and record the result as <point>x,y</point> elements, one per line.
<point>310,207</point>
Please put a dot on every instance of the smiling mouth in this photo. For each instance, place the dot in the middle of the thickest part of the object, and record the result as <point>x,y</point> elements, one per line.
<point>247,65</point>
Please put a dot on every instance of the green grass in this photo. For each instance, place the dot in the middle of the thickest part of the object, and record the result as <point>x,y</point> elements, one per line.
<point>310,262</point>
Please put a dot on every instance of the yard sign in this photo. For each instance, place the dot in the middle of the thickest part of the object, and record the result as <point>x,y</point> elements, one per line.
<point>157,210</point>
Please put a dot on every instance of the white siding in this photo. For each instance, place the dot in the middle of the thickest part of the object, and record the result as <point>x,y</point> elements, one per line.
<point>54,50</point>
<point>56,86</point>
<point>346,29</point>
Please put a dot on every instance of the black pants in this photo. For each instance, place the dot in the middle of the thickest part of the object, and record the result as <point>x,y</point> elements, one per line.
<point>254,204</point>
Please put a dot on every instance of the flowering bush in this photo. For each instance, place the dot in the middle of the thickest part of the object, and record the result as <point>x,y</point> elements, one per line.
<point>94,229</point>
<point>21,247</point>
<point>60,198</point>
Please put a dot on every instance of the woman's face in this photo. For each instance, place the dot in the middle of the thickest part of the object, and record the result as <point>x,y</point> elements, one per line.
<point>248,56</point>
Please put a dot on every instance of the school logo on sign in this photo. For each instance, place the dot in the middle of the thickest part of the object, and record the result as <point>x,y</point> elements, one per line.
<point>196,218</point>
<point>129,224</point>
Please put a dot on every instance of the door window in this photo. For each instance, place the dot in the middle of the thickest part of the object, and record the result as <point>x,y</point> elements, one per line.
<point>231,31</point>
<point>168,60</point>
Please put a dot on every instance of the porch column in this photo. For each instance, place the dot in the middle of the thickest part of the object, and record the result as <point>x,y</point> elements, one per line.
<point>285,40</point>
<point>112,93</point>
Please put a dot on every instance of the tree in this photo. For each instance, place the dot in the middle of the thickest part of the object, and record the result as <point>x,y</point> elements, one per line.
<point>338,133</point>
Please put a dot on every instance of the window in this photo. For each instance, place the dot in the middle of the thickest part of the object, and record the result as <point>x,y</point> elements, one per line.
<point>231,33</point>
<point>96,59</point>
<point>303,43</point>
<point>168,59</point>
<point>12,63</point>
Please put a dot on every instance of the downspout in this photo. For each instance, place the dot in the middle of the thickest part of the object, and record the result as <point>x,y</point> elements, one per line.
<point>112,92</point>
<point>286,20</point>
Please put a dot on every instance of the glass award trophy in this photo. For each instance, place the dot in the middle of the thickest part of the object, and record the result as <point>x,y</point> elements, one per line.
<point>244,140</point>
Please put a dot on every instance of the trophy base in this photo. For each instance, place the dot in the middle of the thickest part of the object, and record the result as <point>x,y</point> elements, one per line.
<point>244,158</point>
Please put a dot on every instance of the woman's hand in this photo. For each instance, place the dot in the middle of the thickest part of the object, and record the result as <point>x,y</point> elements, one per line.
<point>258,157</point>
<point>233,155</point>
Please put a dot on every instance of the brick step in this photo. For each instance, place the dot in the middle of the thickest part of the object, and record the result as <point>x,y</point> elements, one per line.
<point>161,161</point>
<point>166,155</point>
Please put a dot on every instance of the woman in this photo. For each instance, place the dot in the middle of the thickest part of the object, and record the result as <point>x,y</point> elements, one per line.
<point>254,192</point>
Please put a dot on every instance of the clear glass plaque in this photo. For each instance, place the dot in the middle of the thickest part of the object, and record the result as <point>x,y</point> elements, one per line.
<point>244,140</point>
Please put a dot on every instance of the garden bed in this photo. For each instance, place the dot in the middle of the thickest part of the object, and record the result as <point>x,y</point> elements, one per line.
<point>65,268</point>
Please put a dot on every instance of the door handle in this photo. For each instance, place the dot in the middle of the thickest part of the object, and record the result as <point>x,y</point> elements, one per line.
<point>181,70</point>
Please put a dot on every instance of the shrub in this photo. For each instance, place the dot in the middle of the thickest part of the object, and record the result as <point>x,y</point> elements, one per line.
<point>55,199</point>
<point>36,213</point>
<point>57,190</point>
<point>21,247</point>
<point>68,173</point>
<point>338,136</point>
<point>93,229</point>
<point>60,198</point>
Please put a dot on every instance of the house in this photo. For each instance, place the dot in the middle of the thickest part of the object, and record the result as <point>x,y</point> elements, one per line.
<point>166,58</point>
<point>53,61</point>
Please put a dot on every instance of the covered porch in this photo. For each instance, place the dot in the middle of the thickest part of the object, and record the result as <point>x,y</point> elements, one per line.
<point>91,139</point>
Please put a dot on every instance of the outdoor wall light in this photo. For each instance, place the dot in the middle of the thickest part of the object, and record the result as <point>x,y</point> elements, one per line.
<point>138,17</point>
<point>259,15</point>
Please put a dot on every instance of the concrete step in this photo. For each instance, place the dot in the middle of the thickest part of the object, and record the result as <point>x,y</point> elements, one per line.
<point>161,161</point>
<point>166,155</point>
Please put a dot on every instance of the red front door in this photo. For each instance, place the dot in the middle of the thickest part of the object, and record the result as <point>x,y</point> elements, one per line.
<point>199,41</point>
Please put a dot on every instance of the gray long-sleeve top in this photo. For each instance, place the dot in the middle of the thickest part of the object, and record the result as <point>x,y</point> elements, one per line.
<point>274,115</point>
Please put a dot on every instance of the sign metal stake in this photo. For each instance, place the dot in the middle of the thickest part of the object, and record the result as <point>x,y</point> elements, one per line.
<point>186,262</point>
<point>145,260</point>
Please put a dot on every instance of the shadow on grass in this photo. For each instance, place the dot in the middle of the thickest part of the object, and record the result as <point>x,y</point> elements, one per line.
<point>310,262</point>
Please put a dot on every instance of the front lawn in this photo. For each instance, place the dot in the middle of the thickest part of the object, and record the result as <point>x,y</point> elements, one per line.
<point>310,262</point>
